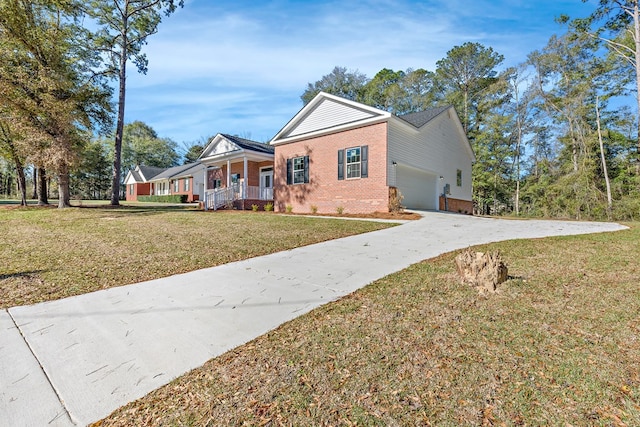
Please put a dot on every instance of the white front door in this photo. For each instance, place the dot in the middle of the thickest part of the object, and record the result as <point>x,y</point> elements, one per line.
<point>266,184</point>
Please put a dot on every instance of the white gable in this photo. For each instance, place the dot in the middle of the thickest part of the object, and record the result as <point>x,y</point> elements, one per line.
<point>130,179</point>
<point>327,114</point>
<point>219,145</point>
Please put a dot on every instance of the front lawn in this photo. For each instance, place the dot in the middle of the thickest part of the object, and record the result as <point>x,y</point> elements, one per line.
<point>559,344</point>
<point>46,253</point>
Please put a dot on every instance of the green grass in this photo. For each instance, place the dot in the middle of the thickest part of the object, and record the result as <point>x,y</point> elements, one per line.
<point>48,253</point>
<point>559,344</point>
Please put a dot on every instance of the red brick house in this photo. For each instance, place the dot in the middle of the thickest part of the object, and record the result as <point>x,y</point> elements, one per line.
<point>337,154</point>
<point>239,173</point>
<point>137,181</point>
<point>179,180</point>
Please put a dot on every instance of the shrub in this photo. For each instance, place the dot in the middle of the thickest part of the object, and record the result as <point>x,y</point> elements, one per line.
<point>314,209</point>
<point>268,207</point>
<point>395,200</point>
<point>289,208</point>
<point>174,198</point>
<point>254,207</point>
<point>340,209</point>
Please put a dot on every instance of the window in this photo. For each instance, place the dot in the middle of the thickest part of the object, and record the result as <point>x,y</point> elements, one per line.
<point>176,185</point>
<point>235,178</point>
<point>298,170</point>
<point>354,161</point>
<point>459,178</point>
<point>186,184</point>
<point>131,189</point>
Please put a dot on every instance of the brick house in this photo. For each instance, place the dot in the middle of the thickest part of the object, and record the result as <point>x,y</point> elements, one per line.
<point>179,180</point>
<point>137,181</point>
<point>239,173</point>
<point>340,154</point>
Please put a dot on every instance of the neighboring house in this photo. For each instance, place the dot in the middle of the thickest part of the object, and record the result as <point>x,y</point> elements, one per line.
<point>151,181</point>
<point>137,181</point>
<point>180,180</point>
<point>337,154</point>
<point>239,173</point>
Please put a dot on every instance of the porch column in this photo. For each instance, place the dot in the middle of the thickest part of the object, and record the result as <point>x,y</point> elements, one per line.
<point>204,195</point>
<point>244,181</point>
<point>228,173</point>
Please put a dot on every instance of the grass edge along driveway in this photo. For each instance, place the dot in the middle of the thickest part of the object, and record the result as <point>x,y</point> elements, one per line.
<point>559,344</point>
<point>51,254</point>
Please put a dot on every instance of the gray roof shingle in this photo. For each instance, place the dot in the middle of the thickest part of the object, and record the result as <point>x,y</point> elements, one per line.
<point>421,118</point>
<point>250,145</point>
<point>148,172</point>
<point>176,170</point>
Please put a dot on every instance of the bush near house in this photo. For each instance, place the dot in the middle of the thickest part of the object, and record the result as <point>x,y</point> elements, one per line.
<point>175,198</point>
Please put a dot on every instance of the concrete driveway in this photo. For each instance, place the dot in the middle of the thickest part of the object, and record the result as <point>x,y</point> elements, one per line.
<point>74,361</point>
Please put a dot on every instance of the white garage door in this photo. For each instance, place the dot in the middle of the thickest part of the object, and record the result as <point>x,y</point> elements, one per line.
<point>419,188</point>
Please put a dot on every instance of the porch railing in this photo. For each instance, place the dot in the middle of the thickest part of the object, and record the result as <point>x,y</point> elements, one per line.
<point>220,197</point>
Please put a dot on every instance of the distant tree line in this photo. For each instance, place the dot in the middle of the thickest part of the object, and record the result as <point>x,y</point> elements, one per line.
<point>55,93</point>
<point>556,136</point>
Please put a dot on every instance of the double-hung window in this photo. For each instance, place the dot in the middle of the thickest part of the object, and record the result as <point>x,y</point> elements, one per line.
<point>298,170</point>
<point>186,184</point>
<point>353,162</point>
<point>176,185</point>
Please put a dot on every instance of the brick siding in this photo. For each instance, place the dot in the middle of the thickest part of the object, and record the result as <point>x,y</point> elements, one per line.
<point>457,205</point>
<point>324,190</point>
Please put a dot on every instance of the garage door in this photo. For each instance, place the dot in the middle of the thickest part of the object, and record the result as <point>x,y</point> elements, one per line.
<point>419,188</point>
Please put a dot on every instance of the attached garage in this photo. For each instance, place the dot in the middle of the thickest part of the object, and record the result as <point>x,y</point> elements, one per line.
<point>419,188</point>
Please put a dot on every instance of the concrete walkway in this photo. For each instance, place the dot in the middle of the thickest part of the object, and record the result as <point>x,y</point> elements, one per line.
<point>74,361</point>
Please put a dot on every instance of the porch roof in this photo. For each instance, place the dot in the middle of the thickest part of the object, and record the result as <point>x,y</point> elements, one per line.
<point>223,148</point>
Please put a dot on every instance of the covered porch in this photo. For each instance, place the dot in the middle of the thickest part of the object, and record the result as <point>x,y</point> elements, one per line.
<point>238,174</point>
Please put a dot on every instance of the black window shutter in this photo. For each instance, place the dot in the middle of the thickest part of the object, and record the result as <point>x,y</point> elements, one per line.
<point>340,164</point>
<point>306,169</point>
<point>289,172</point>
<point>364,168</point>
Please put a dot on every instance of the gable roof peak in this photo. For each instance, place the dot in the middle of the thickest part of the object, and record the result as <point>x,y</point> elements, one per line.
<point>420,118</point>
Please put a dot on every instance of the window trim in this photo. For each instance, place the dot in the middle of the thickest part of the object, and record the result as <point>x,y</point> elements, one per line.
<point>176,186</point>
<point>364,163</point>
<point>186,184</point>
<point>347,163</point>
<point>300,160</point>
<point>291,171</point>
<point>458,177</point>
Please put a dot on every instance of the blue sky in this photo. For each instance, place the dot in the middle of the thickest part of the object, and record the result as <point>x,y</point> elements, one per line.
<point>239,67</point>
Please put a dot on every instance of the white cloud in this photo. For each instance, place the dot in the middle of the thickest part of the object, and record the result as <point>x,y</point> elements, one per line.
<point>240,67</point>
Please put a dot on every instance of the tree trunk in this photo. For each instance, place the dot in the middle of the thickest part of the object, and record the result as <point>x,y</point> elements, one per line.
<point>35,183</point>
<point>64,196</point>
<point>22,181</point>
<point>604,162</point>
<point>518,143</point>
<point>636,26</point>
<point>117,152</point>
<point>43,193</point>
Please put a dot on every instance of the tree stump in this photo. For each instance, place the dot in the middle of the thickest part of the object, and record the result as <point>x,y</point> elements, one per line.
<point>483,271</point>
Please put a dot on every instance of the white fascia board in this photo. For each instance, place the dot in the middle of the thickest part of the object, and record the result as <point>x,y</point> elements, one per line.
<point>335,129</point>
<point>462,134</point>
<point>130,179</point>
<point>311,105</point>
<point>237,155</point>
